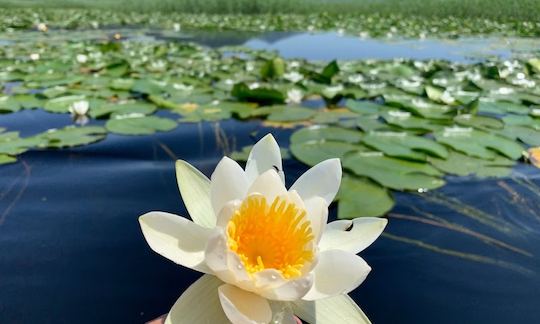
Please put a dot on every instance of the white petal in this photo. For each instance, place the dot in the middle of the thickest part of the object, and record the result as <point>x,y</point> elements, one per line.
<point>195,190</point>
<point>282,313</point>
<point>225,264</point>
<point>338,272</point>
<point>352,236</point>
<point>216,257</point>
<point>293,197</point>
<point>176,238</point>
<point>290,290</point>
<point>264,155</point>
<point>339,309</point>
<point>228,182</point>
<point>322,180</point>
<point>317,212</point>
<point>269,185</point>
<point>227,212</point>
<point>243,307</point>
<point>198,304</point>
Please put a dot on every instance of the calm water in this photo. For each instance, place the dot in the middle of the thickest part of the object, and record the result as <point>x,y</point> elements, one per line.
<point>72,248</point>
<point>72,251</point>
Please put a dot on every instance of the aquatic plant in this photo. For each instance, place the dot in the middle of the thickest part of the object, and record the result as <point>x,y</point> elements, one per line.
<point>262,247</point>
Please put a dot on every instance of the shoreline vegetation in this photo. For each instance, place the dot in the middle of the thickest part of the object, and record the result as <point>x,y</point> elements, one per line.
<point>364,23</point>
<point>500,10</point>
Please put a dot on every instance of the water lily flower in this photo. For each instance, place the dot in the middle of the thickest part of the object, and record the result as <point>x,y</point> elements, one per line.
<point>82,58</point>
<point>78,111</point>
<point>42,27</point>
<point>294,96</point>
<point>267,252</point>
<point>293,76</point>
<point>34,56</point>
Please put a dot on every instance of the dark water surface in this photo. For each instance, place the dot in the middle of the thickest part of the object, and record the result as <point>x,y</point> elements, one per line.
<point>72,251</point>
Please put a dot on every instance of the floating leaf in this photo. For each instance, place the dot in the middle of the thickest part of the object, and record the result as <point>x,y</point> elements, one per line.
<point>480,122</point>
<point>462,165</point>
<point>314,152</point>
<point>71,136</point>
<point>393,173</point>
<point>478,143</point>
<point>403,145</point>
<point>112,109</point>
<point>291,114</point>
<point>140,125</point>
<point>326,133</point>
<point>6,159</point>
<point>62,104</point>
<point>361,197</point>
<point>12,144</point>
<point>260,95</point>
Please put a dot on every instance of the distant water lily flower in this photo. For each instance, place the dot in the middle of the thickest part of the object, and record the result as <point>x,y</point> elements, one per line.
<point>293,76</point>
<point>176,27</point>
<point>79,111</point>
<point>34,56</point>
<point>82,58</point>
<point>42,27</point>
<point>294,96</point>
<point>266,251</point>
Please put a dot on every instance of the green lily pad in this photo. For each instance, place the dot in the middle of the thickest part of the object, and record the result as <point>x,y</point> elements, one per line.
<point>393,173</point>
<point>291,114</point>
<point>113,110</point>
<point>260,95</point>
<point>463,165</point>
<point>313,152</point>
<point>140,125</point>
<point>403,145</point>
<point>360,197</point>
<point>6,159</point>
<point>478,143</point>
<point>71,136</point>
<point>12,144</point>
<point>325,133</point>
<point>480,122</point>
<point>62,104</point>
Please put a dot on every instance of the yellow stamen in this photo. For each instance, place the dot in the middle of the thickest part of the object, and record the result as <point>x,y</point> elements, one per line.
<point>276,236</point>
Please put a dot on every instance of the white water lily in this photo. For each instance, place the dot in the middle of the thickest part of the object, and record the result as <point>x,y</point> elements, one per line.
<point>294,96</point>
<point>293,76</point>
<point>79,108</point>
<point>79,111</point>
<point>82,58</point>
<point>266,251</point>
<point>42,27</point>
<point>34,56</point>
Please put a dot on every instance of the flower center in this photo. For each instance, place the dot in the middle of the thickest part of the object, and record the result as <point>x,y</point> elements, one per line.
<point>276,236</point>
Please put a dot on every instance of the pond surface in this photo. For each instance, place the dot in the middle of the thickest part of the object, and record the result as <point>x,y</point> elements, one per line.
<point>72,247</point>
<point>319,46</point>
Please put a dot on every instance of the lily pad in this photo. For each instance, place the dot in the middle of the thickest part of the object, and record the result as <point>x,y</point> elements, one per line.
<point>478,143</point>
<point>359,197</point>
<point>62,104</point>
<point>313,152</point>
<point>404,145</point>
<point>326,133</point>
<point>139,125</point>
<point>393,173</point>
<point>71,136</point>
<point>462,165</point>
